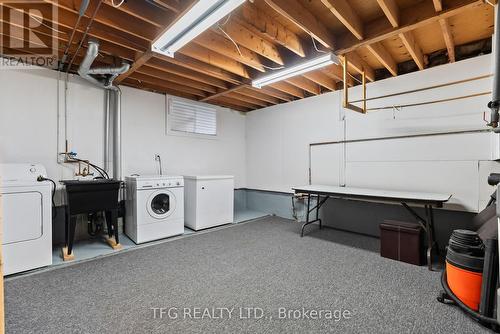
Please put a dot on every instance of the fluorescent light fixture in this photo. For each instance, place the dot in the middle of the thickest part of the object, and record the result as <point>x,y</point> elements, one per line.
<point>200,17</point>
<point>304,67</point>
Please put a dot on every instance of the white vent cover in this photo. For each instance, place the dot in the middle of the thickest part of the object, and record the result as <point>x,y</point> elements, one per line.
<point>189,117</point>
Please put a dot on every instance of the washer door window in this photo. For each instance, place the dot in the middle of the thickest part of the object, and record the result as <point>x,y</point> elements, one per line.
<point>161,204</point>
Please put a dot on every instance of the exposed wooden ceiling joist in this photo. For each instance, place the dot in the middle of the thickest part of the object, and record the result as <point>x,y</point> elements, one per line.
<point>169,68</point>
<point>167,83</point>
<point>448,39</point>
<point>250,40</point>
<point>247,99</point>
<point>344,12</point>
<point>360,66</point>
<point>288,88</point>
<point>305,84</point>
<point>264,24</point>
<point>321,79</point>
<point>391,11</point>
<point>413,48</point>
<point>336,72</point>
<point>201,67</point>
<point>411,18</point>
<point>220,44</point>
<point>257,94</point>
<point>215,68</point>
<point>176,79</point>
<point>224,92</point>
<point>276,93</point>
<point>384,57</point>
<point>304,19</point>
<point>438,5</point>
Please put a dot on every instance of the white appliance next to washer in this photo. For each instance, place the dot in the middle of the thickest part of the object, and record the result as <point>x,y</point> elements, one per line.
<point>27,217</point>
<point>154,207</point>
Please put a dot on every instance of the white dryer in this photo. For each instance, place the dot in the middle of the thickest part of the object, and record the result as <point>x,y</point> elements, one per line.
<point>154,207</point>
<point>27,217</point>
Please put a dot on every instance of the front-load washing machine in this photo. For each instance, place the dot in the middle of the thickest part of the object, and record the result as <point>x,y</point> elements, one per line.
<point>154,207</point>
<point>27,217</point>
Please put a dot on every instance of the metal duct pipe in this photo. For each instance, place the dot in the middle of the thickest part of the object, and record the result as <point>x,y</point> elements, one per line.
<point>117,135</point>
<point>113,94</point>
<point>107,106</point>
<point>494,105</point>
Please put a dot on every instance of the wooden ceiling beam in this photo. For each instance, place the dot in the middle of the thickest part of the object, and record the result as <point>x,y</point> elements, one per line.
<point>166,83</point>
<point>259,95</point>
<point>360,66</point>
<point>139,61</point>
<point>223,92</point>
<point>201,67</point>
<point>169,68</point>
<point>305,84</point>
<point>446,30</point>
<point>287,88</point>
<point>156,88</point>
<point>384,57</point>
<point>146,12</point>
<point>271,28</point>
<point>413,48</point>
<point>336,72</point>
<point>391,11</point>
<point>67,20</point>
<point>111,17</point>
<point>237,102</point>
<point>344,12</point>
<point>220,44</point>
<point>176,79</point>
<point>229,105</point>
<point>172,5</point>
<point>215,59</point>
<point>248,99</point>
<point>294,11</point>
<point>411,18</point>
<point>275,93</point>
<point>251,41</point>
<point>438,5</point>
<point>321,79</point>
<point>448,39</point>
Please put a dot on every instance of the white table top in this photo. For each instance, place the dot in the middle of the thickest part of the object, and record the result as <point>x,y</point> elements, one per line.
<point>374,193</point>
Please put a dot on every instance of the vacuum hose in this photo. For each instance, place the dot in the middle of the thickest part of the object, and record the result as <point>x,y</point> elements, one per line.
<point>475,315</point>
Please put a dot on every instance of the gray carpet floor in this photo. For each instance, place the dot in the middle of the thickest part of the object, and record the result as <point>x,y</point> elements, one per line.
<point>262,264</point>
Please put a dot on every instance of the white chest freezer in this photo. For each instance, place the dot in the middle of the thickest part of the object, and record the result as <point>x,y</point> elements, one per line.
<point>208,201</point>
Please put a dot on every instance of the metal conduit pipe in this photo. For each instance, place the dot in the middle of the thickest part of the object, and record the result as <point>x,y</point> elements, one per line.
<point>103,77</point>
<point>107,119</point>
<point>117,135</point>
<point>494,105</point>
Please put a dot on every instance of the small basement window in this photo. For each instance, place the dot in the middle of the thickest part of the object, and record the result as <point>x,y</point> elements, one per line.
<point>190,118</point>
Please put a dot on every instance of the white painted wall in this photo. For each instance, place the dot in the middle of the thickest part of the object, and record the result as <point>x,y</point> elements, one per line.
<point>28,129</point>
<point>269,148</point>
<point>278,138</point>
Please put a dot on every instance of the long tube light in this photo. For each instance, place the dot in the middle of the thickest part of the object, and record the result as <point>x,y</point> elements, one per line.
<point>301,68</point>
<point>197,19</point>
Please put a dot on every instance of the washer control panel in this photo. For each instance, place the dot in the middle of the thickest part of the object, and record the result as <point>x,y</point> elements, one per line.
<point>159,183</point>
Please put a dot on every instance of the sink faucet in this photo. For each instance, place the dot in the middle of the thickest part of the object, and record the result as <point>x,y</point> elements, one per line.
<point>158,159</point>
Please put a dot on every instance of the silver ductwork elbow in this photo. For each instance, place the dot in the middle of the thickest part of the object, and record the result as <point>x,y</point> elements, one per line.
<point>90,74</point>
<point>103,77</point>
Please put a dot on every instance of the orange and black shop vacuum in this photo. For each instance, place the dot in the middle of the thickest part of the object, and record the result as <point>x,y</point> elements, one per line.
<point>470,276</point>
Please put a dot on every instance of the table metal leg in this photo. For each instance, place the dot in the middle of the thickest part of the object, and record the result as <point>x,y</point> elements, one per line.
<point>319,203</point>
<point>430,235</point>
<point>428,223</point>
<point>307,215</point>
